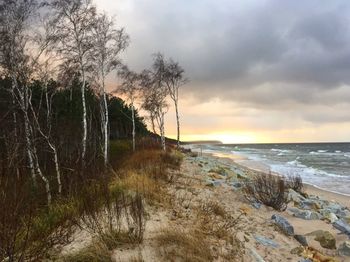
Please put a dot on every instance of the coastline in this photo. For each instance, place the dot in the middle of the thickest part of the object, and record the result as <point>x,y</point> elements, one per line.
<point>256,167</point>
<point>223,175</point>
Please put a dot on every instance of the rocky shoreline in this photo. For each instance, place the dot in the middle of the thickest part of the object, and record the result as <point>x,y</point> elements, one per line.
<point>320,226</point>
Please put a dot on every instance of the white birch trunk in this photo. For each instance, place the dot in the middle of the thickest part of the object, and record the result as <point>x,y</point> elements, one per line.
<point>84,121</point>
<point>162,131</point>
<point>133,126</point>
<point>177,124</point>
<point>105,127</point>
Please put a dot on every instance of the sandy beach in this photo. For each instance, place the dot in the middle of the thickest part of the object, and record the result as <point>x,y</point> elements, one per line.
<point>261,218</point>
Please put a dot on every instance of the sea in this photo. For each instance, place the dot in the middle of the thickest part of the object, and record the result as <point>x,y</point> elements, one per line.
<point>323,165</point>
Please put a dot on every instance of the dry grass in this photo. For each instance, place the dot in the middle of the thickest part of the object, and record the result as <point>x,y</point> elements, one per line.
<point>96,252</point>
<point>151,189</point>
<point>213,220</point>
<point>175,245</point>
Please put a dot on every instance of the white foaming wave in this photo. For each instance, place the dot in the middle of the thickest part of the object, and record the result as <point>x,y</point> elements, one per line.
<point>296,168</point>
<point>322,151</point>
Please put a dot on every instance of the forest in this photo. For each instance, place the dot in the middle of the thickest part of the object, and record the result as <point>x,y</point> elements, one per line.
<point>64,133</point>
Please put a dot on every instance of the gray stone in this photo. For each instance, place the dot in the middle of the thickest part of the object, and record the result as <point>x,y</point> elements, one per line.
<point>256,205</point>
<point>342,226</point>
<point>301,239</point>
<point>256,255</point>
<point>213,183</point>
<point>334,207</point>
<point>294,196</point>
<point>305,214</point>
<point>265,241</point>
<point>283,224</point>
<point>344,249</point>
<point>236,185</point>
<point>310,204</point>
<point>328,215</point>
<point>305,260</point>
<point>343,213</point>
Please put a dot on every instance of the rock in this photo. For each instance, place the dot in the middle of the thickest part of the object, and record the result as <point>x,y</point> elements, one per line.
<point>283,224</point>
<point>301,239</point>
<point>342,226</point>
<point>328,215</point>
<point>219,170</point>
<point>345,214</point>
<point>344,249</point>
<point>334,207</point>
<point>256,255</point>
<point>256,205</point>
<point>325,238</point>
<point>236,185</point>
<point>265,241</point>
<point>294,196</point>
<point>240,174</point>
<point>310,204</point>
<point>297,251</point>
<point>305,214</point>
<point>213,183</point>
<point>305,260</point>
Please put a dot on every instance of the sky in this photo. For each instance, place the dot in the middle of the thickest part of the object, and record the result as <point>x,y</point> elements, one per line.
<point>262,71</point>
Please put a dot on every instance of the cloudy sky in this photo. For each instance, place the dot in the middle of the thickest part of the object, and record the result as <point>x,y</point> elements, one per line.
<point>260,71</point>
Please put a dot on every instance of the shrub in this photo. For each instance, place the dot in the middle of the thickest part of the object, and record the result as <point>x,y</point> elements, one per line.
<point>267,189</point>
<point>295,182</point>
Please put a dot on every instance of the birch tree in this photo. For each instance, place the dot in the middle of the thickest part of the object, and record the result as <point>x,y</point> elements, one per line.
<point>73,21</point>
<point>108,43</point>
<point>174,79</point>
<point>45,71</point>
<point>130,88</point>
<point>20,56</point>
<point>155,93</point>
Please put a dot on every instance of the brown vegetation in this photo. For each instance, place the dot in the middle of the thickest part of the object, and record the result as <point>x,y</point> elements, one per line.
<point>267,189</point>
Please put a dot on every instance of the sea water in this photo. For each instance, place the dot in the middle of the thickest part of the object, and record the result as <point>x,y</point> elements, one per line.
<point>324,165</point>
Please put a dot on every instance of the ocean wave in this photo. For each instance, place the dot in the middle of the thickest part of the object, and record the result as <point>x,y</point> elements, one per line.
<point>296,168</point>
<point>322,151</point>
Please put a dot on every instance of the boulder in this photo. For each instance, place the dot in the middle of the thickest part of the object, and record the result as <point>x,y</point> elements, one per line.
<point>236,185</point>
<point>344,249</point>
<point>213,183</point>
<point>334,207</point>
<point>297,251</point>
<point>266,241</point>
<point>342,226</point>
<point>305,214</point>
<point>310,204</point>
<point>301,239</point>
<point>345,214</point>
<point>256,205</point>
<point>328,215</point>
<point>325,238</point>
<point>255,255</point>
<point>294,196</point>
<point>283,224</point>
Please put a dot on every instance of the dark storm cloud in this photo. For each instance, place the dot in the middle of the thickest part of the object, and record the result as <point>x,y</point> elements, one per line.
<point>259,53</point>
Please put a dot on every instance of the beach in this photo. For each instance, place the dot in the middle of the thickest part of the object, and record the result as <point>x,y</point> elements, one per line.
<point>261,218</point>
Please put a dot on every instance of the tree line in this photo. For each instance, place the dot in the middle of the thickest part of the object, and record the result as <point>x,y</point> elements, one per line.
<point>56,115</point>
